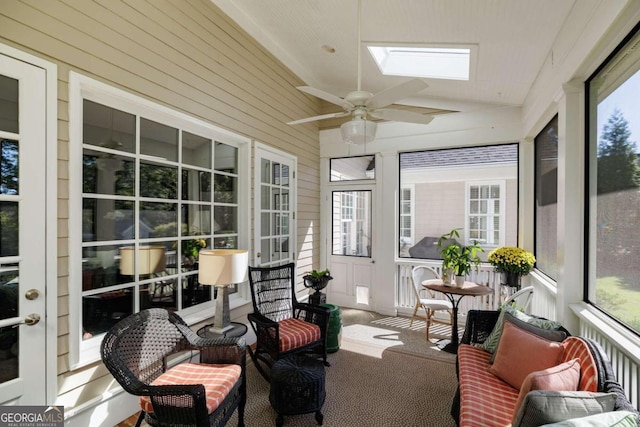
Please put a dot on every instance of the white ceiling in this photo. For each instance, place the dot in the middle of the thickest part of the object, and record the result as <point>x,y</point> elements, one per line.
<point>514,38</point>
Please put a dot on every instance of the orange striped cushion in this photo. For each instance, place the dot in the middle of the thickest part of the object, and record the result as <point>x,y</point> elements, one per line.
<point>485,400</point>
<point>576,348</point>
<point>295,333</point>
<point>218,380</point>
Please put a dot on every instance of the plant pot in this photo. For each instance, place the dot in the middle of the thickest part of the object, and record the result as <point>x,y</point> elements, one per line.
<point>447,276</point>
<point>460,281</point>
<point>511,279</point>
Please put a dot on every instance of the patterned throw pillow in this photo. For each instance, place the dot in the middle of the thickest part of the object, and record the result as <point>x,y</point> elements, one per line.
<point>492,341</point>
<point>608,419</point>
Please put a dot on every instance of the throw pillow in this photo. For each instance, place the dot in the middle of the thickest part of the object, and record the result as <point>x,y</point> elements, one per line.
<point>544,406</point>
<point>491,343</point>
<point>606,419</point>
<point>562,377</point>
<point>520,352</point>
<point>531,326</point>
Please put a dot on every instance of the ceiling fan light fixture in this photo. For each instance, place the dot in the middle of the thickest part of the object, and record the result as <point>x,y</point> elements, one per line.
<point>358,131</point>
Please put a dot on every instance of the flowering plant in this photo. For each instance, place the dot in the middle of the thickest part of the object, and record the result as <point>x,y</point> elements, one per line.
<point>192,247</point>
<point>509,259</point>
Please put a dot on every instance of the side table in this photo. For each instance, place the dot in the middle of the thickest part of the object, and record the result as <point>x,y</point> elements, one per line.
<point>238,330</point>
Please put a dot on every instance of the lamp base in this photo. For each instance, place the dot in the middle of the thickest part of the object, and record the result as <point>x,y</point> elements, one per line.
<point>222,320</point>
<point>220,331</point>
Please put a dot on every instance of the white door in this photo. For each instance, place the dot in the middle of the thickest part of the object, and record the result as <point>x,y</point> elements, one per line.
<point>22,233</point>
<point>351,250</point>
<point>274,204</point>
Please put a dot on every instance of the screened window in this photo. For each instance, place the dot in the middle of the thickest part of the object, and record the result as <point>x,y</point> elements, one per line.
<point>155,191</point>
<point>351,223</point>
<point>614,184</point>
<point>546,199</point>
<point>353,168</point>
<point>474,189</point>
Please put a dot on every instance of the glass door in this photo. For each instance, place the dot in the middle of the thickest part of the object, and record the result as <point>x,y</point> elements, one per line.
<point>22,233</point>
<point>274,202</point>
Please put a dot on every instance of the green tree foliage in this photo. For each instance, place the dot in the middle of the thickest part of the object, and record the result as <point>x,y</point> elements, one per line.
<point>617,159</point>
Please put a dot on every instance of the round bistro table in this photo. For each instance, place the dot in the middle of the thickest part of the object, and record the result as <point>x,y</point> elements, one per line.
<point>455,294</point>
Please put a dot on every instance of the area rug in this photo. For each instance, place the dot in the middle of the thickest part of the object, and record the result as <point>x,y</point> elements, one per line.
<point>395,389</point>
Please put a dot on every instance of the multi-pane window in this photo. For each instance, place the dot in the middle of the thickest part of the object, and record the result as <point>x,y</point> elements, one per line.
<point>406,218</point>
<point>153,195</point>
<point>351,223</point>
<point>546,199</point>
<point>614,184</point>
<point>472,189</point>
<point>485,214</point>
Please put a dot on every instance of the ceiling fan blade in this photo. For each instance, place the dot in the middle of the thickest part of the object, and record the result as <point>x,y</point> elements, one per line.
<point>321,117</point>
<point>396,93</point>
<point>401,116</point>
<point>326,96</point>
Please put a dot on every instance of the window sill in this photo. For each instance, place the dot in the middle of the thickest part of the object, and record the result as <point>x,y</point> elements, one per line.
<point>624,340</point>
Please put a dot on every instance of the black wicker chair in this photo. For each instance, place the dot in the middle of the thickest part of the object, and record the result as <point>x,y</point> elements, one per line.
<point>278,314</point>
<point>135,351</point>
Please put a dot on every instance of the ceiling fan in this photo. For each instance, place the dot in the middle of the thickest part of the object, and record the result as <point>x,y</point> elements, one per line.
<point>362,105</point>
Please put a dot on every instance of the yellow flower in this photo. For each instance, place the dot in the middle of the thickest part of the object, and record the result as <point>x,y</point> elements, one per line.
<point>512,259</point>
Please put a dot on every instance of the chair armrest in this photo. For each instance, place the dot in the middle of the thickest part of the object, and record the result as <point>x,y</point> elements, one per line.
<point>479,325</point>
<point>312,313</point>
<point>257,320</point>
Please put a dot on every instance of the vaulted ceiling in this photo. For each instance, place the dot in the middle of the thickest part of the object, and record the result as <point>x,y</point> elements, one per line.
<point>514,38</point>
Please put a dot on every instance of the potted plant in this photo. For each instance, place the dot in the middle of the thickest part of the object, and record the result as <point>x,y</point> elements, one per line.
<point>458,259</point>
<point>513,263</point>
<point>317,279</point>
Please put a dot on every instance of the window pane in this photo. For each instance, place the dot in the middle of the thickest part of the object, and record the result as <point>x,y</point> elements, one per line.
<point>107,219</point>
<point>9,229</point>
<point>196,185</point>
<point>196,150</point>
<point>353,168</point>
<point>196,219</point>
<point>459,199</point>
<point>101,311</point>
<point>9,167</point>
<point>225,219</point>
<point>9,104</point>
<point>614,196</point>
<point>226,158</point>
<point>108,128</point>
<point>158,220</point>
<point>351,224</point>
<point>158,181</point>
<point>158,140</point>
<point>546,190</point>
<point>225,188</point>
<point>107,174</point>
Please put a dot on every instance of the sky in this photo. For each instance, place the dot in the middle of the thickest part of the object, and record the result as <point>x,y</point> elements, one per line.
<point>627,99</point>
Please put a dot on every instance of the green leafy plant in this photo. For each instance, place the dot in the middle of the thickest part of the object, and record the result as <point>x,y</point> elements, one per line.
<point>459,258</point>
<point>317,274</point>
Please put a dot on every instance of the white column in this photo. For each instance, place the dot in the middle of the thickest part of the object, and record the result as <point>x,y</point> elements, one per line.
<point>571,155</point>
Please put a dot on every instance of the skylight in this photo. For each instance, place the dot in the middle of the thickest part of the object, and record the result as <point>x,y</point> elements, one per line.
<point>436,62</point>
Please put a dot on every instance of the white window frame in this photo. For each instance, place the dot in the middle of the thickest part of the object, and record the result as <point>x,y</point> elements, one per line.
<point>412,209</point>
<point>502,215</point>
<point>83,352</point>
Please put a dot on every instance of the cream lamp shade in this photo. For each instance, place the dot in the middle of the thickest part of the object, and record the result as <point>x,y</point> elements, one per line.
<point>151,259</point>
<point>222,267</point>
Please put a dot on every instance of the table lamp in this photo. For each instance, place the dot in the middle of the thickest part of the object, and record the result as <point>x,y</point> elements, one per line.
<point>221,268</point>
<point>151,259</point>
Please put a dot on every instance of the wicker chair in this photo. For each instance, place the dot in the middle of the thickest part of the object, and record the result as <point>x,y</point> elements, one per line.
<point>283,325</point>
<point>135,351</point>
<point>429,305</point>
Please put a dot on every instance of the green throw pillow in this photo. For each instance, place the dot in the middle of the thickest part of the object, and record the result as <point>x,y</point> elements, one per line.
<point>543,406</point>
<point>608,419</point>
<point>491,343</point>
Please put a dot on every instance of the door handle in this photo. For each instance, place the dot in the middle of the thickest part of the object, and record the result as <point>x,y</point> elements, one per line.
<point>30,320</point>
<point>32,294</point>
